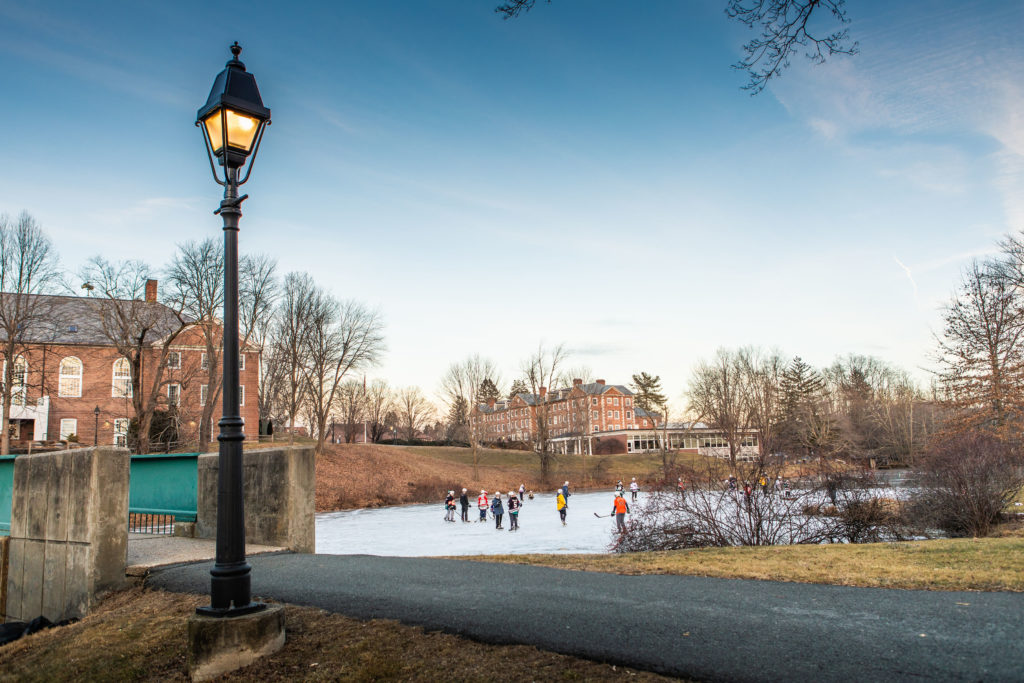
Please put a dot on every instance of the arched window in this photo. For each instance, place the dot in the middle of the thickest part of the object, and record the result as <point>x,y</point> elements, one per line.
<point>122,385</point>
<point>70,378</point>
<point>18,376</point>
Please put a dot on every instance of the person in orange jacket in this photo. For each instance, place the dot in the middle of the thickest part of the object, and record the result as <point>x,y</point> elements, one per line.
<point>619,508</point>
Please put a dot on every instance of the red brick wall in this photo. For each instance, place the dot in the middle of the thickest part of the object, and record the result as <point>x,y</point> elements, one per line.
<point>97,389</point>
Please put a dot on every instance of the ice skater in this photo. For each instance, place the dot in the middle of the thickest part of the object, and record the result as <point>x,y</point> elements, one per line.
<point>497,510</point>
<point>513,511</point>
<point>560,504</point>
<point>464,504</point>
<point>619,508</point>
<point>449,507</point>
<point>481,502</point>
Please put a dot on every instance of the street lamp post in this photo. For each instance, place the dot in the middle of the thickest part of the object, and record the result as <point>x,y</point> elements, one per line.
<point>232,120</point>
<point>96,428</point>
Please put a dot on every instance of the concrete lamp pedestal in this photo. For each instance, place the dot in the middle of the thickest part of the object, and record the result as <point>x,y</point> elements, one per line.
<point>219,645</point>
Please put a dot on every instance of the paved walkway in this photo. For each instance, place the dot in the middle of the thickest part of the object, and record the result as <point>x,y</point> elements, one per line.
<point>708,629</point>
<point>146,551</point>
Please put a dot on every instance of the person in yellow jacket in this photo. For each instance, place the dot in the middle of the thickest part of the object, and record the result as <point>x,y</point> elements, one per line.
<point>560,504</point>
<point>619,508</point>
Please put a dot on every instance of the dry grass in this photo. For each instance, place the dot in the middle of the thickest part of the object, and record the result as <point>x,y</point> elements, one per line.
<point>139,635</point>
<point>357,475</point>
<point>986,564</point>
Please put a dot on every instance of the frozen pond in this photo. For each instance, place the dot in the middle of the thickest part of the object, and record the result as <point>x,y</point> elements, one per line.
<point>420,530</point>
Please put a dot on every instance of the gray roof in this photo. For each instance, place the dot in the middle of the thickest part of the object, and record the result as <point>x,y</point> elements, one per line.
<point>79,320</point>
<point>596,388</point>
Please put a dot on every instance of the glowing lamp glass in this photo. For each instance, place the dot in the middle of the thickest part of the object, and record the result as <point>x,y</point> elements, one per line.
<point>241,130</point>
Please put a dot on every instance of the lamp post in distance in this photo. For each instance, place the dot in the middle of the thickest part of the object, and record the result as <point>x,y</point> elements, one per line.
<point>232,121</point>
<point>96,427</point>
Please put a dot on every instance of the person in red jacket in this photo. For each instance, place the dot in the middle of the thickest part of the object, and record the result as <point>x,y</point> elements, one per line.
<point>483,504</point>
<point>619,508</point>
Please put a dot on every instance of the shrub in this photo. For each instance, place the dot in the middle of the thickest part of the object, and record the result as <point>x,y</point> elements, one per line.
<point>967,480</point>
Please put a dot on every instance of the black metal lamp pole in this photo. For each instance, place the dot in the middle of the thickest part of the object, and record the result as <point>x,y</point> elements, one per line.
<point>96,428</point>
<point>232,121</point>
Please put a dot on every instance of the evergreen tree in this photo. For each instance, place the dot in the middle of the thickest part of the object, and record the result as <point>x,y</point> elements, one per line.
<point>518,387</point>
<point>802,388</point>
<point>458,420</point>
<point>488,390</point>
<point>648,392</point>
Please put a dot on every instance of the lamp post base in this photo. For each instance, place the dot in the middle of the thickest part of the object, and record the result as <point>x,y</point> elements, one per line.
<point>217,646</point>
<point>228,612</point>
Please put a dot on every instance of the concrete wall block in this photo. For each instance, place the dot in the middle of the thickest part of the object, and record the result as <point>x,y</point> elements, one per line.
<point>59,504</point>
<point>25,599</point>
<point>15,569</point>
<point>79,585</point>
<point>80,485</point>
<point>109,535</point>
<point>5,544</point>
<point>55,563</point>
<point>69,531</point>
<point>279,486</point>
<point>20,500</point>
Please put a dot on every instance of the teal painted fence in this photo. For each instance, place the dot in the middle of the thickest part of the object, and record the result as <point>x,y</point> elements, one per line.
<point>6,491</point>
<point>165,484</point>
<point>160,484</point>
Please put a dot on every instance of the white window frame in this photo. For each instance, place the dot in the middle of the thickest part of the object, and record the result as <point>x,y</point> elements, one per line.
<point>18,377</point>
<point>241,395</point>
<point>65,378</point>
<point>124,379</point>
<point>121,431</point>
<point>204,394</point>
<point>177,394</point>
<point>241,361</point>
<point>204,362</point>
<point>176,355</point>
<point>68,427</point>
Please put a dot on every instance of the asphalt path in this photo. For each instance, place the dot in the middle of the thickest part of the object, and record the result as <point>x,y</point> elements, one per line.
<point>696,627</point>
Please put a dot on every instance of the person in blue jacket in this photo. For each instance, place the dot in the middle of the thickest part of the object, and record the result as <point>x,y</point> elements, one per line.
<point>497,509</point>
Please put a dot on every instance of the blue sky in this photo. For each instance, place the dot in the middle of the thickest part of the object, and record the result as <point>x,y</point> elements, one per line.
<point>590,173</point>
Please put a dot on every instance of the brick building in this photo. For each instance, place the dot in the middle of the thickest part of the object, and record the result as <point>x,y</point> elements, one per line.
<point>68,367</point>
<point>572,415</point>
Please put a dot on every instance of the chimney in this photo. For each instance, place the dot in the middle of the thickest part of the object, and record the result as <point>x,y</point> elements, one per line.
<point>577,382</point>
<point>490,402</point>
<point>543,392</point>
<point>601,382</point>
<point>150,290</point>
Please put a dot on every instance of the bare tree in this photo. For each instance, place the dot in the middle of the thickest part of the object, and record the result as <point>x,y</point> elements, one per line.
<point>341,336</point>
<point>717,392</point>
<point>351,407</point>
<point>379,403</point>
<point>463,381</point>
<point>196,287</point>
<point>28,269</point>
<point>414,411</point>
<point>135,327</point>
<point>288,344</point>
<point>540,371</point>
<point>785,26</point>
<point>762,379</point>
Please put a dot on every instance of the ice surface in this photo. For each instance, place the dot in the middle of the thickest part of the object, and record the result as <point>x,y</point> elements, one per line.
<point>420,530</point>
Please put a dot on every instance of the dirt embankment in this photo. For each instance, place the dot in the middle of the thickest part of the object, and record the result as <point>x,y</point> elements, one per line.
<point>355,476</point>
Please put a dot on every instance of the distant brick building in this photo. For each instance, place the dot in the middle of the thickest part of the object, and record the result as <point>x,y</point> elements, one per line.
<point>69,368</point>
<point>573,415</point>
